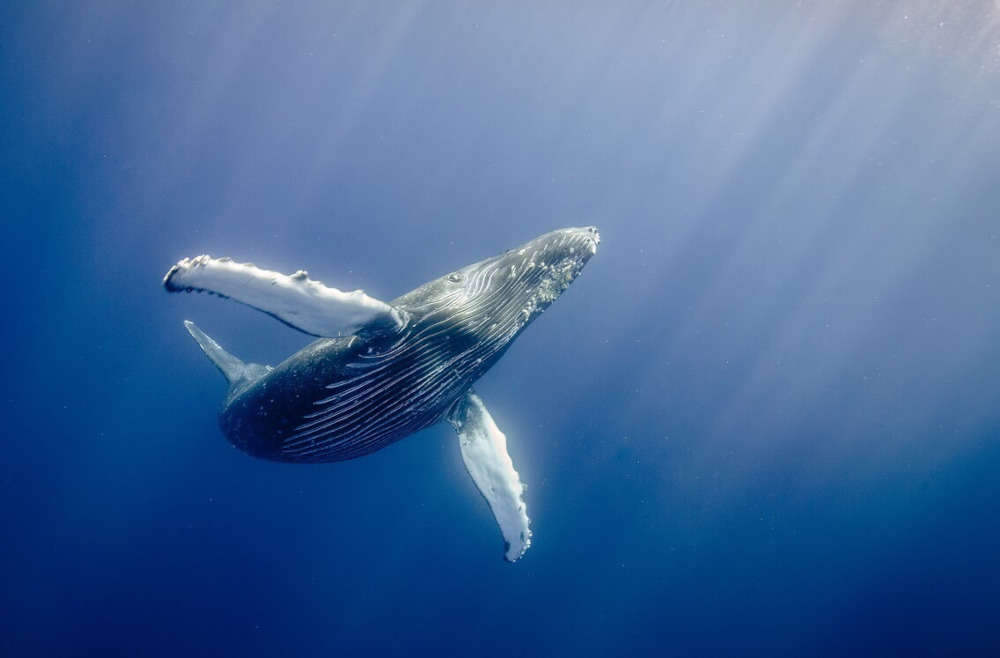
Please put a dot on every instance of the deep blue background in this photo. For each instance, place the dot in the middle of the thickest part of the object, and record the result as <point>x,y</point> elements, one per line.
<point>764,421</point>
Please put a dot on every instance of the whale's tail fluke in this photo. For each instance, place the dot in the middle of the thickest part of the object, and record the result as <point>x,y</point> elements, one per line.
<point>238,374</point>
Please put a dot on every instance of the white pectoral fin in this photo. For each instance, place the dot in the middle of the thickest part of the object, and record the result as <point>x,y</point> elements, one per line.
<point>295,299</point>
<point>484,450</point>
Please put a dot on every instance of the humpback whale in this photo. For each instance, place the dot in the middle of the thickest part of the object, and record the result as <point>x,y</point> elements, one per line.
<point>381,371</point>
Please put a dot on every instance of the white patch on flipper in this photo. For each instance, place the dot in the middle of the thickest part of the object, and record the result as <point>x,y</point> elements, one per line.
<point>484,450</point>
<point>296,300</point>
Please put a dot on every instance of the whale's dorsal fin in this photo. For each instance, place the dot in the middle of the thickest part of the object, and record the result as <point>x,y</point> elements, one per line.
<point>484,451</point>
<point>296,300</point>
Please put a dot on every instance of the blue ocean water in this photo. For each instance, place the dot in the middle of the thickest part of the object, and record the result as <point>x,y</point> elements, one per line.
<point>765,420</point>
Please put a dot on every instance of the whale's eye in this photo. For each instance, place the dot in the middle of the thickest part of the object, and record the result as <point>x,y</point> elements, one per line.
<point>455,277</point>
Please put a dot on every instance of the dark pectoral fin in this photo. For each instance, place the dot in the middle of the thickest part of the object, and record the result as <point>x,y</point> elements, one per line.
<point>237,373</point>
<point>484,450</point>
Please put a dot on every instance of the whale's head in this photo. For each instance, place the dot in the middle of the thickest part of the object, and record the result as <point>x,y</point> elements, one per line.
<point>484,306</point>
<point>512,289</point>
